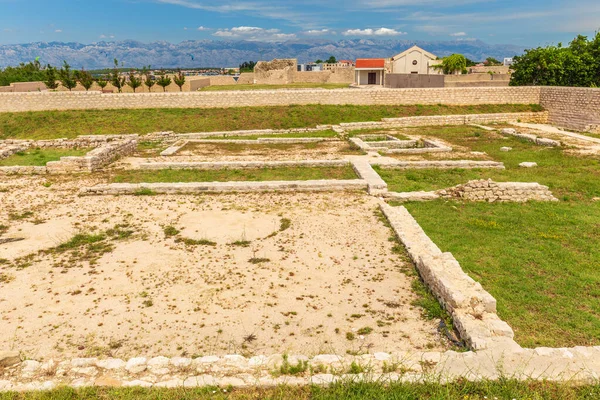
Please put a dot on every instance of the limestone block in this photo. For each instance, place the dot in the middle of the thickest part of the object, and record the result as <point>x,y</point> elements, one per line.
<point>528,165</point>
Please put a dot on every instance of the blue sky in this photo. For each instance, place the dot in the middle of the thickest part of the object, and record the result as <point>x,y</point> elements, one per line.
<point>528,23</point>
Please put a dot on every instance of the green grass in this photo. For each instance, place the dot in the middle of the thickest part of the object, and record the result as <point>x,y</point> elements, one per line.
<point>69,124</point>
<point>328,133</point>
<point>540,261</point>
<point>503,389</point>
<point>264,174</point>
<point>532,257</point>
<point>246,87</point>
<point>39,157</point>
<point>569,177</point>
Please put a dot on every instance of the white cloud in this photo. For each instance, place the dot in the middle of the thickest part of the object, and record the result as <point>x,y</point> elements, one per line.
<point>373,32</point>
<point>203,28</point>
<point>254,33</point>
<point>317,32</point>
<point>458,34</point>
<point>103,36</point>
<point>58,30</point>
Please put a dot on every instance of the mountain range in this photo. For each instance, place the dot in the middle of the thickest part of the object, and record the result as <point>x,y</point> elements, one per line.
<point>217,53</point>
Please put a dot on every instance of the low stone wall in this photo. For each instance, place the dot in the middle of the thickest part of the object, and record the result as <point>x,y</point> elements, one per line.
<point>397,146</point>
<point>92,161</point>
<point>242,164</point>
<point>464,119</point>
<point>531,138</point>
<point>450,164</point>
<point>490,191</point>
<point>473,309</point>
<point>363,169</point>
<point>15,102</point>
<point>220,187</point>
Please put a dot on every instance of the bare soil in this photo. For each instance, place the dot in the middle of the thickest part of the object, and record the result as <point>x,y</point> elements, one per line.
<point>311,287</point>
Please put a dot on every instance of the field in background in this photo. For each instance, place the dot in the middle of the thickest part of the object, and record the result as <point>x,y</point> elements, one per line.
<point>70,124</point>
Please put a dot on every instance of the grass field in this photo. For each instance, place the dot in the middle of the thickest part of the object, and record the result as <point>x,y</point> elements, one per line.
<point>69,124</point>
<point>246,87</point>
<point>39,157</point>
<point>532,257</point>
<point>568,177</point>
<point>264,174</point>
<point>463,390</point>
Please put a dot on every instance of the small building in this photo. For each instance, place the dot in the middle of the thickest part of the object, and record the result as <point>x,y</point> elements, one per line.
<point>415,61</point>
<point>508,62</point>
<point>308,67</point>
<point>370,71</point>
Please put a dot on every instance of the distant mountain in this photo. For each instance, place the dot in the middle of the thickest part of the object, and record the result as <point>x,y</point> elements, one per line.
<point>216,53</point>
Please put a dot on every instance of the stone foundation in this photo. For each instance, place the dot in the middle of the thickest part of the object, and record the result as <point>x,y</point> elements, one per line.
<point>490,191</point>
<point>531,138</point>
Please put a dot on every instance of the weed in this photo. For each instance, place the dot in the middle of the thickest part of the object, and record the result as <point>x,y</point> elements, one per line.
<point>195,242</point>
<point>257,260</point>
<point>289,369</point>
<point>144,192</point>
<point>285,223</point>
<point>170,231</point>
<point>365,331</point>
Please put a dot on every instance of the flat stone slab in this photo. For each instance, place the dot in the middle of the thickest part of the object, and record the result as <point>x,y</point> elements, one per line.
<point>411,196</point>
<point>528,165</point>
<point>9,358</point>
<point>451,164</point>
<point>219,187</point>
<point>241,164</point>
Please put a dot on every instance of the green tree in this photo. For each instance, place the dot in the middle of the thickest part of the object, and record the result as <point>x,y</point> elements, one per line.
<point>491,61</point>
<point>85,78</point>
<point>116,79</point>
<point>51,78</point>
<point>66,76</point>
<point>331,60</point>
<point>179,80</point>
<point>102,83</point>
<point>134,81</point>
<point>575,65</point>
<point>247,66</point>
<point>30,72</point>
<point>452,64</point>
<point>319,61</point>
<point>148,81</point>
<point>163,80</point>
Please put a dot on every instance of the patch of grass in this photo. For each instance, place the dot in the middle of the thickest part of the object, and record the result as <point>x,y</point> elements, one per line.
<point>144,192</point>
<point>80,240</point>
<point>199,149</point>
<point>287,368</point>
<point>532,257</point>
<point>40,157</point>
<point>264,174</point>
<point>21,216</point>
<point>59,124</point>
<point>347,390</point>
<point>568,176</point>
<point>195,242</point>
<point>284,224</point>
<point>3,229</point>
<point>170,231</point>
<point>356,368</point>
<point>241,243</point>
<point>6,278</point>
<point>365,331</point>
<point>258,260</point>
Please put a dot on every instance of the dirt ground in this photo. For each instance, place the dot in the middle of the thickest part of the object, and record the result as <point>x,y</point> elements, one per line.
<point>307,273</point>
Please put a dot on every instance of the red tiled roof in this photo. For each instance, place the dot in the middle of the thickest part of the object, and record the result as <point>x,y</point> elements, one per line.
<point>370,63</point>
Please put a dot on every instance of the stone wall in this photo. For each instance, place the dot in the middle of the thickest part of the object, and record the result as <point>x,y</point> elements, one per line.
<point>14,102</point>
<point>572,108</point>
<point>490,191</point>
<point>99,157</point>
<point>275,72</point>
<point>530,137</point>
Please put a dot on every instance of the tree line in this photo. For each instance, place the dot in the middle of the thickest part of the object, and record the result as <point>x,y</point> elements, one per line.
<point>575,65</point>
<point>68,78</point>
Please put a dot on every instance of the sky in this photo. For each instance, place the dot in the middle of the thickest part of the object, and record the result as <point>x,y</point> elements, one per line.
<point>526,23</point>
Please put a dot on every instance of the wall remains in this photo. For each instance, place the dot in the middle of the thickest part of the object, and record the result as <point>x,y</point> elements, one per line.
<point>490,191</point>
<point>15,102</point>
<point>572,108</point>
